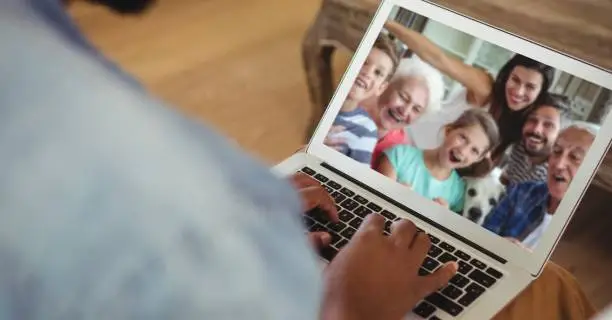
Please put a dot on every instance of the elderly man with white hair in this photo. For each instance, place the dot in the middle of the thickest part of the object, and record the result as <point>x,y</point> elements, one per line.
<point>415,89</point>
<point>525,213</point>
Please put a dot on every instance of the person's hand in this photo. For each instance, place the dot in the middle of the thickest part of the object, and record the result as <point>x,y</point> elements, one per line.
<point>376,276</point>
<point>441,202</point>
<point>314,195</point>
<point>332,142</point>
<point>319,239</point>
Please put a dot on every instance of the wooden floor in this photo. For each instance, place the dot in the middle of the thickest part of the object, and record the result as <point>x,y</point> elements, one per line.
<point>236,65</point>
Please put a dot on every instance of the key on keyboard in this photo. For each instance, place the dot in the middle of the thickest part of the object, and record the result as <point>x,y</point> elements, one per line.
<point>362,211</point>
<point>349,204</point>
<point>308,171</point>
<point>347,192</point>
<point>482,278</point>
<point>361,199</point>
<point>334,185</point>
<point>444,303</point>
<point>356,222</point>
<point>434,251</point>
<point>338,197</point>
<point>424,309</point>
<point>345,216</point>
<point>472,292</point>
<point>446,257</point>
<point>321,178</point>
<point>447,247</point>
<point>452,292</point>
<point>464,267</point>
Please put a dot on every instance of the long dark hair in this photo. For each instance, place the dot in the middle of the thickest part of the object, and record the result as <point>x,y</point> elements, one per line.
<point>511,122</point>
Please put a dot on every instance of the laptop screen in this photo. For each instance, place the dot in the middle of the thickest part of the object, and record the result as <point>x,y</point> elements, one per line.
<point>489,134</point>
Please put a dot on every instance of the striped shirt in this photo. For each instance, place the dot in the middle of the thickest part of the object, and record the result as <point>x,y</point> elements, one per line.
<point>360,134</point>
<point>521,169</point>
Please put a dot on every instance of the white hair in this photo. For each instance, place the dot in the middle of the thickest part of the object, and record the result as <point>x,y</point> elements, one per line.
<point>589,127</point>
<point>415,67</point>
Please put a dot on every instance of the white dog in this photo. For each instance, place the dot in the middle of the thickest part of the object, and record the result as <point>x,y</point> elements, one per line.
<point>482,195</point>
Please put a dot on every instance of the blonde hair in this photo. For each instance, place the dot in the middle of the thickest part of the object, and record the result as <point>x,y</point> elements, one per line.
<point>414,67</point>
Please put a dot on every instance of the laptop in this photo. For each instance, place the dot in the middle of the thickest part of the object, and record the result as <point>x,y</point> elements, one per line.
<point>492,270</point>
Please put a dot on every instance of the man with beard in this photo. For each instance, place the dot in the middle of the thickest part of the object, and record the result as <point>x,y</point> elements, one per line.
<point>115,206</point>
<point>525,212</point>
<point>528,159</point>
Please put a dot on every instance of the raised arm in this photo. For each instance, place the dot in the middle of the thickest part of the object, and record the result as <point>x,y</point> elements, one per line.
<point>478,83</point>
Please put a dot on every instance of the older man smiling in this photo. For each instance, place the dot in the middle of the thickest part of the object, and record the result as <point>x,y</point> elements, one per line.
<point>525,213</point>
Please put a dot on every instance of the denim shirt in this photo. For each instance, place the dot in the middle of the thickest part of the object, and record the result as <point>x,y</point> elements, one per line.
<point>115,206</point>
<point>520,211</point>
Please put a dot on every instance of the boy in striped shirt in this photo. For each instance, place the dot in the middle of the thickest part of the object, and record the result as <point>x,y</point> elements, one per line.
<point>354,133</point>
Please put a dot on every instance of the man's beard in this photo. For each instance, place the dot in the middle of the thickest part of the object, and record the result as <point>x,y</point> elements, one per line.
<point>126,6</point>
<point>542,151</point>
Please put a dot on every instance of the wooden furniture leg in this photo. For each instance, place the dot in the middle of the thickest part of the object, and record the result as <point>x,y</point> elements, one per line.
<point>317,63</point>
<point>338,24</point>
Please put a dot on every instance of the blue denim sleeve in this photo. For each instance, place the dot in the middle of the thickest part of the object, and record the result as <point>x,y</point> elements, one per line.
<point>114,206</point>
<point>499,214</point>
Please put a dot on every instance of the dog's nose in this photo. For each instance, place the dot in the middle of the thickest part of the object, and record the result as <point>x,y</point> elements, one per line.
<point>474,213</point>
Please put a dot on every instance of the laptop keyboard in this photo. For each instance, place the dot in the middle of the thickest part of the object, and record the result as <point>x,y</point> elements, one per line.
<point>473,277</point>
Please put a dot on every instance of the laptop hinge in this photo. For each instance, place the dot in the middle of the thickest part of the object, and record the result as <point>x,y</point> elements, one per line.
<point>414,213</point>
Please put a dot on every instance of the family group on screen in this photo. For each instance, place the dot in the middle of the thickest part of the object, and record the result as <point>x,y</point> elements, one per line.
<point>500,152</point>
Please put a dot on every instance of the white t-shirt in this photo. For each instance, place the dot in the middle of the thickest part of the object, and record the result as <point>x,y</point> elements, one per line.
<point>534,237</point>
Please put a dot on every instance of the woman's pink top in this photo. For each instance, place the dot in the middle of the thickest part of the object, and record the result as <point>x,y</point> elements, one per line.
<point>391,139</point>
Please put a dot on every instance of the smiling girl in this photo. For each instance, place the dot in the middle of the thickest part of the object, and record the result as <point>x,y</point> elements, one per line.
<point>437,173</point>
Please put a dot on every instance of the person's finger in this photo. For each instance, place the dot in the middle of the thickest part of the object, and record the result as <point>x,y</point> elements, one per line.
<point>421,244</point>
<point>319,239</point>
<point>301,180</point>
<point>334,142</point>
<point>319,197</point>
<point>437,279</point>
<point>403,232</point>
<point>337,129</point>
<point>372,223</point>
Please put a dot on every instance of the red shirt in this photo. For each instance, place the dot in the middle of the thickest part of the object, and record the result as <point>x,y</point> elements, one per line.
<point>391,139</point>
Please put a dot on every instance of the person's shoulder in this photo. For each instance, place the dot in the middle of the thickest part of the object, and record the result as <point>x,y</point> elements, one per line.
<point>404,155</point>
<point>406,150</point>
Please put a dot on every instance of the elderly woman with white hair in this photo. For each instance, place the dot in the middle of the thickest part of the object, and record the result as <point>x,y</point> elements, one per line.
<point>415,89</point>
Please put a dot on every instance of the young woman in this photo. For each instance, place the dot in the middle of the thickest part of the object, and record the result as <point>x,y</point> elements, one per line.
<point>519,84</point>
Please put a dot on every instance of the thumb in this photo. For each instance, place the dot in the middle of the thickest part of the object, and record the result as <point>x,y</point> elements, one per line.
<point>438,279</point>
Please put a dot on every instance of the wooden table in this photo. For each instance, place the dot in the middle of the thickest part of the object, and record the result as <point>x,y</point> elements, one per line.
<point>582,28</point>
